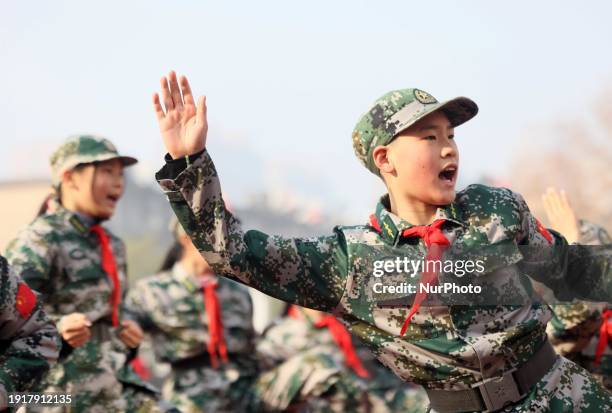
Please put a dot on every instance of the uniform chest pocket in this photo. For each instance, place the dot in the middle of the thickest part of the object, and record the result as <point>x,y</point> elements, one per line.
<point>482,258</point>
<point>184,312</point>
<point>388,300</point>
<point>82,267</point>
<point>427,323</point>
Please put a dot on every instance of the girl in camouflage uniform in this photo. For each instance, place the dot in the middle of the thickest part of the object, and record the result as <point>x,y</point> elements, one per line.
<point>79,268</point>
<point>202,325</point>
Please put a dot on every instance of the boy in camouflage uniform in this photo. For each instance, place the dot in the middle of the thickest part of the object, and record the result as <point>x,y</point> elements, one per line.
<point>311,365</point>
<point>79,268</point>
<point>30,343</point>
<point>202,325</point>
<point>489,357</point>
<point>575,328</point>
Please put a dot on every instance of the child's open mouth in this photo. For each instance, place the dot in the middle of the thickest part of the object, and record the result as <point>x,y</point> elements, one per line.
<point>449,173</point>
<point>112,198</point>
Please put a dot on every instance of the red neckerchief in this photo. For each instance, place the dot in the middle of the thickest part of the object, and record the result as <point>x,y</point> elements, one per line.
<point>432,235</point>
<point>542,230</point>
<point>340,335</point>
<point>109,266</point>
<point>605,332</point>
<point>216,344</point>
<point>140,368</point>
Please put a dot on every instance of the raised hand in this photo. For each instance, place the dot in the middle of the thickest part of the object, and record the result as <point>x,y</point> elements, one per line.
<point>560,214</point>
<point>183,126</point>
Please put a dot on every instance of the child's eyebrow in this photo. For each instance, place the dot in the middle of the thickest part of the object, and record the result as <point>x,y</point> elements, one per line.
<point>433,127</point>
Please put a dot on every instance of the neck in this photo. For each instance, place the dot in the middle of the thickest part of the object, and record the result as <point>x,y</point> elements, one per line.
<point>69,204</point>
<point>85,217</point>
<point>195,267</point>
<point>414,211</point>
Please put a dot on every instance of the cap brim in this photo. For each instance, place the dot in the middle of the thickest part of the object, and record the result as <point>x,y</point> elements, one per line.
<point>125,160</point>
<point>128,160</point>
<point>458,111</point>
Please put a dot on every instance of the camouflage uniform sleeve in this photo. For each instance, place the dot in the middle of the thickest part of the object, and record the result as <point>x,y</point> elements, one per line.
<point>310,272</point>
<point>572,272</point>
<point>29,340</point>
<point>31,256</point>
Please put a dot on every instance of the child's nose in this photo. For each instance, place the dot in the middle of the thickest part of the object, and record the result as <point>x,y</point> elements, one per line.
<point>449,151</point>
<point>120,183</point>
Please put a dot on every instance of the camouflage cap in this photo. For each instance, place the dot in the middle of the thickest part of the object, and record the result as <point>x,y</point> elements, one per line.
<point>396,111</point>
<point>81,149</point>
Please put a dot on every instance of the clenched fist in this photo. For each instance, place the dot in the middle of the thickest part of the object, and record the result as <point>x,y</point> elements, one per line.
<point>131,334</point>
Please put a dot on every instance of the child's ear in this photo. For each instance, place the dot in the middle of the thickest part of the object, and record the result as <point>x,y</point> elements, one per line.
<point>380,154</point>
<point>69,179</point>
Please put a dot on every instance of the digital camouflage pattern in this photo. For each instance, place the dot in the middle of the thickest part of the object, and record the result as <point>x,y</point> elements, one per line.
<point>574,328</point>
<point>170,307</point>
<point>59,257</point>
<point>446,347</point>
<point>396,111</point>
<point>82,149</point>
<point>305,371</point>
<point>30,343</point>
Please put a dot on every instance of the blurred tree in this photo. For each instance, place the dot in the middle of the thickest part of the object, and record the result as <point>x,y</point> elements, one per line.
<point>575,155</point>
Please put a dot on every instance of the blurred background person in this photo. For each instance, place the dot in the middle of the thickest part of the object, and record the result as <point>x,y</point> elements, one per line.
<point>580,331</point>
<point>310,364</point>
<point>201,325</point>
<point>30,342</point>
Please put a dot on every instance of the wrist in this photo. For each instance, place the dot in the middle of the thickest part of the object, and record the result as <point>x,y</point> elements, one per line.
<point>185,153</point>
<point>174,167</point>
<point>60,325</point>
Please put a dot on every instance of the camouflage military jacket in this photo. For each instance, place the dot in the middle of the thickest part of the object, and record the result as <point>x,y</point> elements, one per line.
<point>303,366</point>
<point>30,343</point>
<point>170,307</point>
<point>59,257</point>
<point>446,346</point>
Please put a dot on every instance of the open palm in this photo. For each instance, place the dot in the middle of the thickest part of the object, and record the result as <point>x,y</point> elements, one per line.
<point>182,124</point>
<point>561,215</point>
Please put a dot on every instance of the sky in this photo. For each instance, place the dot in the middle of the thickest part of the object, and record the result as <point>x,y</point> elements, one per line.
<point>286,82</point>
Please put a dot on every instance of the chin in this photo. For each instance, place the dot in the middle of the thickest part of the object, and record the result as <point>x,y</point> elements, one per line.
<point>105,214</point>
<point>444,198</point>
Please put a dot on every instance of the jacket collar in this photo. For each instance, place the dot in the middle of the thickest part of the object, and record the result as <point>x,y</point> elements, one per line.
<point>390,226</point>
<point>192,282</point>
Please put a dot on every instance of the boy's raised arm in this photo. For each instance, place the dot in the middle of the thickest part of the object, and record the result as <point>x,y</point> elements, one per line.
<point>306,271</point>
